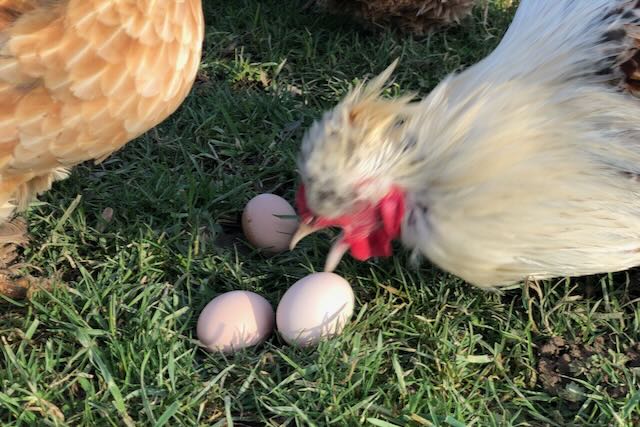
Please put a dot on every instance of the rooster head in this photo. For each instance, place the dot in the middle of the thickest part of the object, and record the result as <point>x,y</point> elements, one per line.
<point>347,164</point>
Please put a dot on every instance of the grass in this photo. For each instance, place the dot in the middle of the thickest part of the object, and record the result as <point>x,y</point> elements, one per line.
<point>116,344</point>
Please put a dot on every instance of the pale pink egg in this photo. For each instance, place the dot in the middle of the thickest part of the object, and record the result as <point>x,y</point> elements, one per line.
<point>314,308</point>
<point>235,320</point>
<point>268,222</point>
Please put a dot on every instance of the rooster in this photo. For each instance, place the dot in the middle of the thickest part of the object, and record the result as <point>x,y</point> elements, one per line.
<point>81,78</point>
<point>524,166</point>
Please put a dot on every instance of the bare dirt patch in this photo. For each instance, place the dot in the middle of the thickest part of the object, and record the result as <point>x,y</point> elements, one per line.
<point>563,364</point>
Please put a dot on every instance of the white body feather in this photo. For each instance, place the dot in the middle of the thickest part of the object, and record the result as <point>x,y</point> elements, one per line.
<point>525,164</point>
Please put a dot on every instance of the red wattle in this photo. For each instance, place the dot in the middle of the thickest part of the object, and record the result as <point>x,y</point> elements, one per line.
<point>370,231</point>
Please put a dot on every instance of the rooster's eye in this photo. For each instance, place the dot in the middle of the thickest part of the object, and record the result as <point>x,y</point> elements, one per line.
<point>326,194</point>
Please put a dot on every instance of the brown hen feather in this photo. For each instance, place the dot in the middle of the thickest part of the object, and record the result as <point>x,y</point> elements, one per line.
<point>81,78</point>
<point>412,16</point>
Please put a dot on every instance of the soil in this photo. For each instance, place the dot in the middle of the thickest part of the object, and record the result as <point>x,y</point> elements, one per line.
<point>562,362</point>
<point>14,236</point>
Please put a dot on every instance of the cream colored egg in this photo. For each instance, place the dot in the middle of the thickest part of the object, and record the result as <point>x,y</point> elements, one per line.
<point>316,307</point>
<point>235,320</point>
<point>265,223</point>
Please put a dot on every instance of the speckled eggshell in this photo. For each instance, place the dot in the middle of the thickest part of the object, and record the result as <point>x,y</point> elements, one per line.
<point>263,228</point>
<point>235,320</point>
<point>314,308</point>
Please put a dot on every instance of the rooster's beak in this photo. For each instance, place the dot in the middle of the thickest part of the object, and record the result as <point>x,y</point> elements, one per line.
<point>303,231</point>
<point>336,253</point>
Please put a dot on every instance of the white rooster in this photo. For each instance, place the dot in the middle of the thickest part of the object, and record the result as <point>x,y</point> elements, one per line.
<point>524,166</point>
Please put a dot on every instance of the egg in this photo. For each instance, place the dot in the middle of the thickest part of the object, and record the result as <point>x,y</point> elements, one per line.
<point>268,222</point>
<point>316,307</point>
<point>235,320</point>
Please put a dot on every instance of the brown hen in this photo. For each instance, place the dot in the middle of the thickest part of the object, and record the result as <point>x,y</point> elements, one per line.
<point>81,78</point>
<point>417,17</point>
